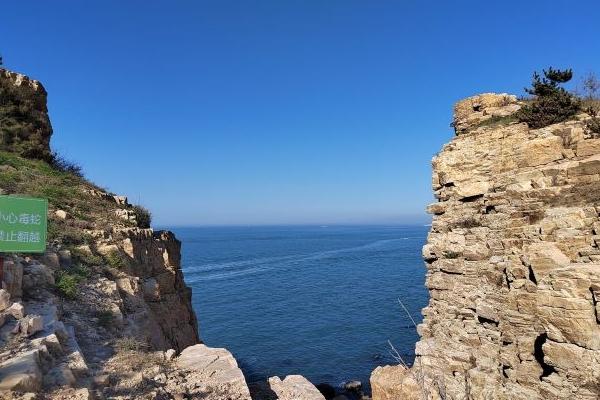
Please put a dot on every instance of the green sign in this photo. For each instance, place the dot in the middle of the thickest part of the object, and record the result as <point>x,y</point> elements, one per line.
<point>23,224</point>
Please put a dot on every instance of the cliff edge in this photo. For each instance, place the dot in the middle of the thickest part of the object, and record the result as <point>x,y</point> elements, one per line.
<point>513,264</point>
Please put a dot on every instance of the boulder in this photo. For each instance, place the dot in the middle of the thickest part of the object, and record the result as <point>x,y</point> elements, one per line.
<point>394,383</point>
<point>16,310</point>
<point>213,370</point>
<point>294,387</point>
<point>21,373</point>
<point>31,324</point>
<point>60,214</point>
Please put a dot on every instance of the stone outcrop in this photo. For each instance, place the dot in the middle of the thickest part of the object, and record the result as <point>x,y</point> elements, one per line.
<point>513,266</point>
<point>25,126</point>
<point>475,110</point>
<point>294,387</point>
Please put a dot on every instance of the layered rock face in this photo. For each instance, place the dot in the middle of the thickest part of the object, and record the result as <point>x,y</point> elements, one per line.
<point>513,264</point>
<point>24,123</point>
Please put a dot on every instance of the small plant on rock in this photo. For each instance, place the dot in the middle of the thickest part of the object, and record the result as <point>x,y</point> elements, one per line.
<point>593,124</point>
<point>67,284</point>
<point>551,103</point>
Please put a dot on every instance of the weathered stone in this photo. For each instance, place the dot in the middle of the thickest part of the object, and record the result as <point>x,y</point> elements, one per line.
<point>469,112</point>
<point>588,147</point>
<point>16,310</point>
<point>294,387</point>
<point>4,300</point>
<point>31,324</point>
<point>170,354</point>
<point>12,280</point>
<point>394,383</point>
<point>60,214</point>
<point>21,373</point>
<point>214,370</point>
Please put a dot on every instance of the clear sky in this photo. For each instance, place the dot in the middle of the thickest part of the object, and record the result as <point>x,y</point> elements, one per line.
<point>268,112</point>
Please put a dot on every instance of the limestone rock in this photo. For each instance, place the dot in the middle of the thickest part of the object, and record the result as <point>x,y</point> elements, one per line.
<point>513,265</point>
<point>31,324</point>
<point>4,300</point>
<point>22,373</point>
<point>13,277</point>
<point>214,371</point>
<point>16,310</point>
<point>294,387</point>
<point>60,214</point>
<point>474,110</point>
<point>394,383</point>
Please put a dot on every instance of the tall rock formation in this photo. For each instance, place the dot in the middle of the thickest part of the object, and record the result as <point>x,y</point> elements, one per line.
<point>513,264</point>
<point>24,123</point>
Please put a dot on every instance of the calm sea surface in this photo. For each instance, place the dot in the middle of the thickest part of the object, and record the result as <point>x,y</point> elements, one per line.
<point>317,301</point>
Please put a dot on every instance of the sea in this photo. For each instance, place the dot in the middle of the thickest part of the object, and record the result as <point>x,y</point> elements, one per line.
<point>326,302</point>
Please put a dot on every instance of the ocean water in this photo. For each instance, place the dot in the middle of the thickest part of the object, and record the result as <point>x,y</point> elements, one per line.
<point>317,301</point>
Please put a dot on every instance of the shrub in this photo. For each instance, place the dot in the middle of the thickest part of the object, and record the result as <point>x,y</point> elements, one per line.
<point>115,259</point>
<point>451,254</point>
<point>105,318</point>
<point>551,103</point>
<point>593,124</point>
<point>61,164</point>
<point>142,216</point>
<point>67,284</point>
<point>85,258</point>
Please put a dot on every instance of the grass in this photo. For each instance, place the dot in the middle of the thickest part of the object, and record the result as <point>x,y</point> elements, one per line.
<point>495,122</point>
<point>67,284</point>
<point>65,189</point>
<point>129,343</point>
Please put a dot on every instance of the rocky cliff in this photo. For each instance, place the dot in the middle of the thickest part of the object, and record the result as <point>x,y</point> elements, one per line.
<point>513,264</point>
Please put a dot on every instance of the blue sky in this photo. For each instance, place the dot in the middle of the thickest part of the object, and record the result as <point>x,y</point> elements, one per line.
<point>269,112</point>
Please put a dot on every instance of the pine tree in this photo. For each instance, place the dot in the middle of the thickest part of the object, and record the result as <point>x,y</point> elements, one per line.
<point>552,103</point>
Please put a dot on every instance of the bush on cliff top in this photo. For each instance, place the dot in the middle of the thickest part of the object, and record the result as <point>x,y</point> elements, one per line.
<point>142,216</point>
<point>551,103</point>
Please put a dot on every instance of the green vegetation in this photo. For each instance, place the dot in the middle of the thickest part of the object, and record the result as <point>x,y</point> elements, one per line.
<point>451,254</point>
<point>142,216</point>
<point>116,260</point>
<point>593,124</point>
<point>65,190</point>
<point>85,258</point>
<point>67,284</point>
<point>551,103</point>
<point>105,318</point>
<point>496,121</point>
